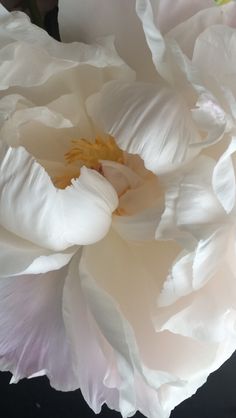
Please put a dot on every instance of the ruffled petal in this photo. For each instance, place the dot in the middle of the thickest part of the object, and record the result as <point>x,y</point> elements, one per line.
<point>80,214</point>
<point>32,329</point>
<point>149,120</point>
<point>23,42</point>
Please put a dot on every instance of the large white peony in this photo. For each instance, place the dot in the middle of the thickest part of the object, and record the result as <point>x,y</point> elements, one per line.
<point>83,279</point>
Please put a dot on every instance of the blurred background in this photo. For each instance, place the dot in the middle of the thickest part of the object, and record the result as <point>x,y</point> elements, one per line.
<point>35,398</point>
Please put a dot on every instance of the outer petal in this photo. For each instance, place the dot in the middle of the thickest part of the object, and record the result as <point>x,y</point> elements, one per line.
<point>22,42</point>
<point>92,357</point>
<point>32,329</point>
<point>113,17</point>
<point>109,306</point>
<point>149,120</point>
<point>138,360</point>
<point>80,214</point>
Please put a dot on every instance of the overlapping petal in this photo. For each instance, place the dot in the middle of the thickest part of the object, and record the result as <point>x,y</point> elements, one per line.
<point>61,218</point>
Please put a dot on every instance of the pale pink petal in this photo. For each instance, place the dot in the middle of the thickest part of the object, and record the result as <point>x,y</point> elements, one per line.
<point>32,329</point>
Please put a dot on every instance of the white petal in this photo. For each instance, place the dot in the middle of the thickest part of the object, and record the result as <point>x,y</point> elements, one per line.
<point>169,14</point>
<point>34,209</point>
<point>77,22</point>
<point>32,328</point>
<point>23,43</point>
<point>206,315</point>
<point>224,178</point>
<point>194,24</point>
<point>149,120</point>
<point>141,226</point>
<point>214,55</point>
<point>18,256</point>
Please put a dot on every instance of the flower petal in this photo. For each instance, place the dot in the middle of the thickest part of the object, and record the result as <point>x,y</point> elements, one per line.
<point>18,256</point>
<point>149,120</point>
<point>21,39</point>
<point>77,24</point>
<point>91,355</point>
<point>32,329</point>
<point>117,331</point>
<point>80,214</point>
<point>194,24</point>
<point>224,178</point>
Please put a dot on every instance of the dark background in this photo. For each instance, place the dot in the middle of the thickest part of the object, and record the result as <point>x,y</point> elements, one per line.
<point>35,398</point>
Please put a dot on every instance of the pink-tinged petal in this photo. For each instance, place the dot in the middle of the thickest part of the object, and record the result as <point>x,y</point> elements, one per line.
<point>150,120</point>
<point>32,329</point>
<point>87,21</point>
<point>92,357</point>
<point>18,256</point>
<point>79,214</point>
<point>224,178</point>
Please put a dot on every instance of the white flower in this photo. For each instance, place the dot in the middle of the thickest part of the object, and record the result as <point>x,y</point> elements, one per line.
<point>81,272</point>
<point>79,313</point>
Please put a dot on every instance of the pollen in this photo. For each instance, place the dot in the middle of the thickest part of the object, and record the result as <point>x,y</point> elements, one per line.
<point>90,153</point>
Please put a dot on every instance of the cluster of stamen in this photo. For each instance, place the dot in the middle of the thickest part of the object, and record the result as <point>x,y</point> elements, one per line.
<point>90,154</point>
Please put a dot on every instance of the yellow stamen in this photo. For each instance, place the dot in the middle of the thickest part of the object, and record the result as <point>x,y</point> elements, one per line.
<point>61,182</point>
<point>90,153</point>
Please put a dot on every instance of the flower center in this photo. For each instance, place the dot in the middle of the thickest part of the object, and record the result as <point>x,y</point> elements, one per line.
<point>88,153</point>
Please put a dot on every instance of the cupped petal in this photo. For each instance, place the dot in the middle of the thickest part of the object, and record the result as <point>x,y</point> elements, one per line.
<point>77,24</point>
<point>79,214</point>
<point>32,329</point>
<point>150,120</point>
